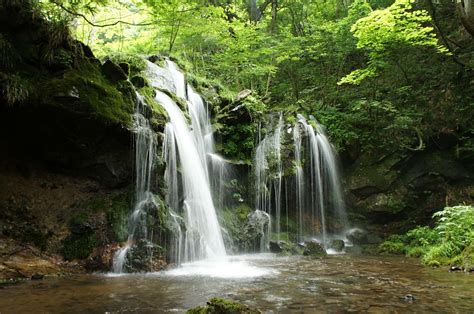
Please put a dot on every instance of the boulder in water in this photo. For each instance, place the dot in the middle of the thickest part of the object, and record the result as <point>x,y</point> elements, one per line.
<point>357,236</point>
<point>223,306</point>
<point>315,249</point>
<point>144,256</point>
<point>277,246</point>
<point>337,245</point>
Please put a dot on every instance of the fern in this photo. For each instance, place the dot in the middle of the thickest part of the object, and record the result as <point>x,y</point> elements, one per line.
<point>14,88</point>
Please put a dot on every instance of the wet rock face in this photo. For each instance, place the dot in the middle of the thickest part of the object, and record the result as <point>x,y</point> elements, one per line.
<point>66,142</point>
<point>144,256</point>
<point>399,191</point>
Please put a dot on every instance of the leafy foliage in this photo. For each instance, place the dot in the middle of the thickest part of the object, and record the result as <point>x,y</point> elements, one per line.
<point>444,244</point>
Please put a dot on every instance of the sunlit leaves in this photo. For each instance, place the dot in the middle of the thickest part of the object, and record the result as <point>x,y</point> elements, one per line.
<point>385,31</point>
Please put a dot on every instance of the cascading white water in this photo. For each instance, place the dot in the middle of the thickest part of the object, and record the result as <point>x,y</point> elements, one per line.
<point>268,172</point>
<point>202,238</point>
<point>299,180</point>
<point>203,235</point>
<point>315,189</point>
<point>145,143</point>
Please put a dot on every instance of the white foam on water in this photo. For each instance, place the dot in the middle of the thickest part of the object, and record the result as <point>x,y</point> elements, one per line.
<point>224,268</point>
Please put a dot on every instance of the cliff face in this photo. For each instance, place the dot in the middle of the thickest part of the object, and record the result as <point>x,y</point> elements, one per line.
<point>66,162</point>
<point>396,192</point>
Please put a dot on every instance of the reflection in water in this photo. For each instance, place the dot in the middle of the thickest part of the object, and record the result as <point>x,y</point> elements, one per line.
<point>294,284</point>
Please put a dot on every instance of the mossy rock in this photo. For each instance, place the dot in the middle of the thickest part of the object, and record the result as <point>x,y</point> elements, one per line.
<point>314,249</point>
<point>337,245</point>
<point>80,243</point>
<point>138,81</point>
<point>223,306</point>
<point>467,257</point>
<point>94,94</point>
<point>113,72</point>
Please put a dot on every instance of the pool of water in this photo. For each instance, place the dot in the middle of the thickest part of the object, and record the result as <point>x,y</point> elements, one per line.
<point>273,284</point>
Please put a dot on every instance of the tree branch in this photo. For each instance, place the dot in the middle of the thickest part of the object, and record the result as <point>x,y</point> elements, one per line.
<point>94,24</point>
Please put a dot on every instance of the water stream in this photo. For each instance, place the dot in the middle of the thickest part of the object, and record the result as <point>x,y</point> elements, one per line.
<point>278,284</point>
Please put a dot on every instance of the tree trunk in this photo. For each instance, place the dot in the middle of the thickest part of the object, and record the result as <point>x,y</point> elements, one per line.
<point>466,12</point>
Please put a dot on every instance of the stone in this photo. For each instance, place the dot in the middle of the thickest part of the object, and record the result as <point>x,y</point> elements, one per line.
<point>314,249</point>
<point>155,59</point>
<point>243,94</point>
<point>86,50</point>
<point>125,67</point>
<point>222,306</point>
<point>69,96</point>
<point>138,81</point>
<point>37,276</point>
<point>19,261</point>
<point>113,72</point>
<point>357,236</point>
<point>276,246</point>
<point>337,245</point>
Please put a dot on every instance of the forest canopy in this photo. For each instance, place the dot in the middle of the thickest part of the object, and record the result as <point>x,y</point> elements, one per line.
<point>378,73</point>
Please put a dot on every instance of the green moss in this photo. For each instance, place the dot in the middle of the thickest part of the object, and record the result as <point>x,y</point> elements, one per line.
<point>117,216</point>
<point>78,246</point>
<point>222,306</point>
<point>314,249</point>
<point>136,62</point>
<point>96,95</point>
<point>467,258</point>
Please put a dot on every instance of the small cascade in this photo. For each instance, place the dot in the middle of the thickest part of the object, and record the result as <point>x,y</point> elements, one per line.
<point>144,145</point>
<point>189,148</point>
<point>312,197</point>
<point>268,172</point>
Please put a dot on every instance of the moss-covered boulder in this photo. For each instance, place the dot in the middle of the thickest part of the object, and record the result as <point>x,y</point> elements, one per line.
<point>337,245</point>
<point>113,72</point>
<point>314,249</point>
<point>467,257</point>
<point>223,306</point>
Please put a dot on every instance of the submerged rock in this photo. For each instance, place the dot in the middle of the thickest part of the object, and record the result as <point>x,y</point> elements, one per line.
<point>223,306</point>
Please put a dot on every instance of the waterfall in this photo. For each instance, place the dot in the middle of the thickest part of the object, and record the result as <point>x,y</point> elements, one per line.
<point>268,171</point>
<point>313,197</point>
<point>191,147</point>
<point>144,145</point>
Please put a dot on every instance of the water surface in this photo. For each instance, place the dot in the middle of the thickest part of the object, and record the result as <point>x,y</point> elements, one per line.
<point>336,283</point>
